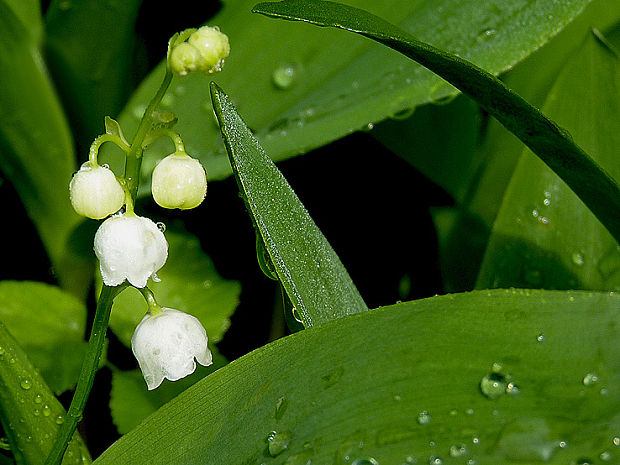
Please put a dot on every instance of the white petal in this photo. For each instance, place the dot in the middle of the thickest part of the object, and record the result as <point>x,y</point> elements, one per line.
<point>129,247</point>
<point>166,344</point>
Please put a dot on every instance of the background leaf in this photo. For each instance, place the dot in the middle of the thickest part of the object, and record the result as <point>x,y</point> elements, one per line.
<point>89,49</point>
<point>30,414</point>
<point>131,402</point>
<point>36,150</point>
<point>49,324</point>
<point>343,391</point>
<point>544,236</point>
<point>298,91</point>
<point>190,283</point>
<point>315,280</point>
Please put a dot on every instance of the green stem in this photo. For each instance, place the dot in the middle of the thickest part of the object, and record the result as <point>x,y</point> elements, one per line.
<point>94,148</point>
<point>154,307</point>
<point>87,373</point>
<point>134,157</point>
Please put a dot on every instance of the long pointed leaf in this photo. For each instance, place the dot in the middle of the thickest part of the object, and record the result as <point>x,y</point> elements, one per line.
<point>310,271</point>
<point>551,143</point>
<point>404,385</point>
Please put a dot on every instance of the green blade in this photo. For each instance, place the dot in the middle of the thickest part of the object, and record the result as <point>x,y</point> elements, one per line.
<point>551,143</point>
<point>310,271</point>
<point>31,415</point>
<point>404,384</point>
<point>561,245</point>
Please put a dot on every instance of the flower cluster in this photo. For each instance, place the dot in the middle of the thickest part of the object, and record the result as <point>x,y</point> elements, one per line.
<point>131,248</point>
<point>204,51</point>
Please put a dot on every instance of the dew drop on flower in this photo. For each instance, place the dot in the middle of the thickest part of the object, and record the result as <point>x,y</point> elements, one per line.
<point>423,418</point>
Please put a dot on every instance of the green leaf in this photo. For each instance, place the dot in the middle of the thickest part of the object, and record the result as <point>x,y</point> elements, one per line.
<point>131,402</point>
<point>551,143</point>
<point>190,283</point>
<point>90,51</point>
<point>544,236</point>
<point>500,150</point>
<point>405,381</point>
<point>31,416</point>
<point>310,271</point>
<point>49,324</point>
<point>36,150</point>
<point>330,84</point>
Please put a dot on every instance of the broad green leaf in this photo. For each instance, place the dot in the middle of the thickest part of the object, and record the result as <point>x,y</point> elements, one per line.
<point>554,145</point>
<point>315,280</point>
<point>408,381</point>
<point>301,87</point>
<point>90,49</point>
<point>31,416</point>
<point>28,12</point>
<point>500,150</point>
<point>131,402</point>
<point>49,324</point>
<point>544,236</point>
<point>36,151</point>
<point>190,283</point>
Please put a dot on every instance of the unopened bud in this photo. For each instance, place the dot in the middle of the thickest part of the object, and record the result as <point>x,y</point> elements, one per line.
<point>179,181</point>
<point>95,192</point>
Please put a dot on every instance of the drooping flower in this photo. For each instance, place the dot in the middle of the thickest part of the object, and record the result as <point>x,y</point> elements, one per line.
<point>179,181</point>
<point>130,247</point>
<point>167,344</point>
<point>95,192</point>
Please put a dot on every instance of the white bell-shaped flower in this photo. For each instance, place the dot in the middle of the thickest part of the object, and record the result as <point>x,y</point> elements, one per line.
<point>130,247</point>
<point>179,181</point>
<point>95,192</point>
<point>167,344</point>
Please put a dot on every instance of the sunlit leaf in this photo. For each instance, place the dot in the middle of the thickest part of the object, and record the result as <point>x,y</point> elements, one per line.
<point>315,280</point>
<point>49,324</point>
<point>301,87</point>
<point>494,377</point>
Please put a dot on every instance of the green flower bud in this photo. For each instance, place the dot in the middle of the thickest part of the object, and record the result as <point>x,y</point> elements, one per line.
<point>95,192</point>
<point>179,181</point>
<point>213,47</point>
<point>184,59</point>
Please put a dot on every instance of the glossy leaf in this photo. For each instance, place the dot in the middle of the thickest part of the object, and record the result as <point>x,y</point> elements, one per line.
<point>551,143</point>
<point>49,324</point>
<point>31,416</point>
<point>36,150</point>
<point>405,381</point>
<point>300,87</point>
<point>190,283</point>
<point>310,271</point>
<point>544,236</point>
<point>90,50</point>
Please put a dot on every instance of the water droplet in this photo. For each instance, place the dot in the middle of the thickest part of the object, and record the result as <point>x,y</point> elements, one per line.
<point>604,391</point>
<point>493,386</point>
<point>281,406</point>
<point>605,456</point>
<point>278,442</point>
<point>475,440</point>
<point>590,379</point>
<point>365,461</point>
<point>60,419</point>
<point>578,258</point>
<point>284,76</point>
<point>562,444</point>
<point>486,34</point>
<point>435,460</point>
<point>26,384</point>
<point>105,166</point>
<point>423,418</point>
<point>540,337</point>
<point>161,226</point>
<point>454,412</point>
<point>458,451</point>
<point>46,411</point>
<point>512,389</point>
<point>409,460</point>
<point>583,461</point>
<point>38,399</point>
<point>36,412</point>
<point>397,398</point>
<point>469,411</point>
<point>296,316</point>
<point>616,441</point>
